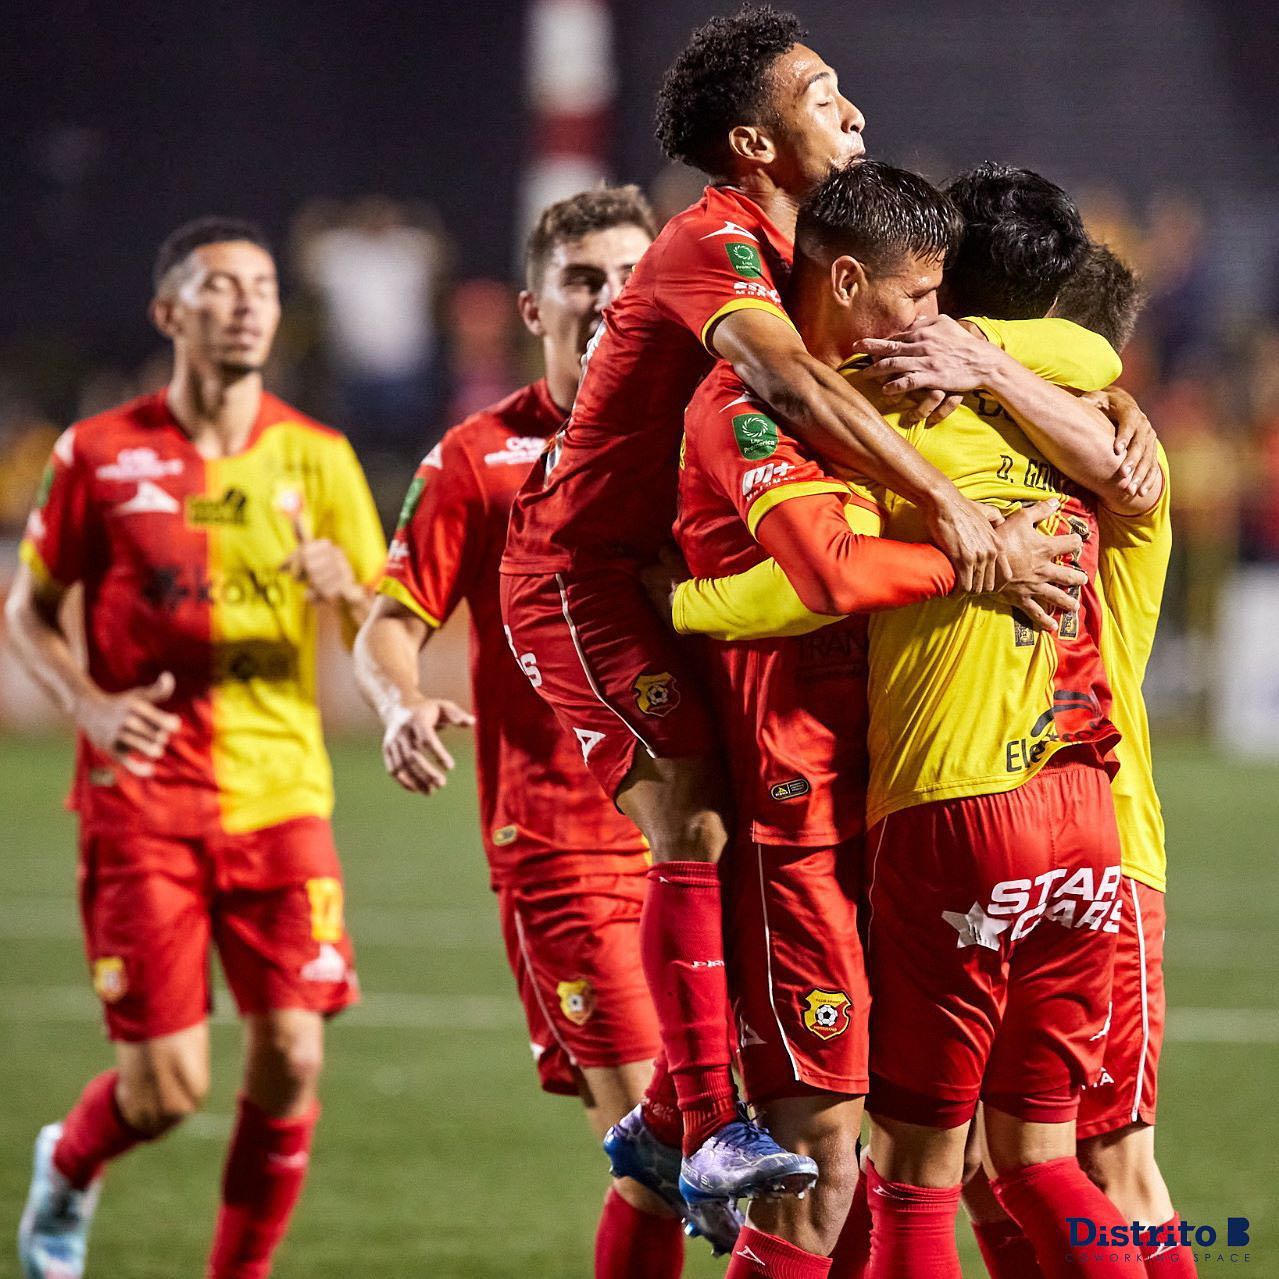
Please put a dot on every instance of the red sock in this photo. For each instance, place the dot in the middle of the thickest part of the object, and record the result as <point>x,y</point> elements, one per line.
<point>1177,1262</point>
<point>265,1169</point>
<point>94,1132</point>
<point>914,1230</point>
<point>758,1254</point>
<point>682,945</point>
<point>660,1105</point>
<point>631,1244</point>
<point>852,1253</point>
<point>1040,1198</point>
<point>1007,1252</point>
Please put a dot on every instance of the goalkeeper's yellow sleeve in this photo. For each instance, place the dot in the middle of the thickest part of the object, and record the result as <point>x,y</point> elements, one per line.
<point>1059,351</point>
<point>757,604</point>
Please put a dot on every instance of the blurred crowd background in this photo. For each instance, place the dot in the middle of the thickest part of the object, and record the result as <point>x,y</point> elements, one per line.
<point>395,155</point>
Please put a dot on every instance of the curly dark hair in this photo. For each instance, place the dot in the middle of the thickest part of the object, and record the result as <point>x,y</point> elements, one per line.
<point>1023,239</point>
<point>879,215</point>
<point>1104,295</point>
<point>180,244</point>
<point>579,215</point>
<point>721,80</point>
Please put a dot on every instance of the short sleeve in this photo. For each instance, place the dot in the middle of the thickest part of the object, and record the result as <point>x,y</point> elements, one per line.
<point>350,519</point>
<point>58,531</point>
<point>708,274</point>
<point>435,552</point>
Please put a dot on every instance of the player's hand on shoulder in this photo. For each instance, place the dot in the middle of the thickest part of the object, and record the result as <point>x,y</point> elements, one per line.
<point>1035,572</point>
<point>661,579</point>
<point>411,747</point>
<point>131,725</point>
<point>938,355</point>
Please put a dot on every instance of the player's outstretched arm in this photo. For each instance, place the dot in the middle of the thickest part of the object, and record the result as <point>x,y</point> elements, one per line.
<point>131,725</point>
<point>843,426</point>
<point>387,651</point>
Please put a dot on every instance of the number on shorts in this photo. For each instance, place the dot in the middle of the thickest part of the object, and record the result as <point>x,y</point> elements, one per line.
<point>528,663</point>
<point>326,909</point>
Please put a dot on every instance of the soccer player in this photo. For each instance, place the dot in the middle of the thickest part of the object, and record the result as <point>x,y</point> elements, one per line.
<point>205,523</point>
<point>1115,1128</point>
<point>994,856</point>
<point>870,246</point>
<point>569,870</point>
<point>761,114</point>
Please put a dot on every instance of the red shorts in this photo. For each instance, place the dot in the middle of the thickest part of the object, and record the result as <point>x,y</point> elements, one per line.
<point>796,977</point>
<point>992,933</point>
<point>574,947</point>
<point>615,677</point>
<point>151,905</point>
<point>1128,1088</point>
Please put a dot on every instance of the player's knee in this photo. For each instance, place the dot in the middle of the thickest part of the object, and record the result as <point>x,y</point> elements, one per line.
<point>162,1092</point>
<point>693,836</point>
<point>1128,1175</point>
<point>286,1066</point>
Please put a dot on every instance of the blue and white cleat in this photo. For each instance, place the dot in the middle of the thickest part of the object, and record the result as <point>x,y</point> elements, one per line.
<point>53,1235</point>
<point>633,1151</point>
<point>741,1161</point>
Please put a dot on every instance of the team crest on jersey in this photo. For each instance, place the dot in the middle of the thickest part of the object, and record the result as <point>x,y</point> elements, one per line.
<point>756,435</point>
<point>745,259</point>
<point>504,835</point>
<point>109,981</point>
<point>827,1013</point>
<point>656,694</point>
<point>577,1000</point>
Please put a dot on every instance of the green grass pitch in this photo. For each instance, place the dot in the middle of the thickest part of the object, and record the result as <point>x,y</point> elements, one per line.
<point>437,1156</point>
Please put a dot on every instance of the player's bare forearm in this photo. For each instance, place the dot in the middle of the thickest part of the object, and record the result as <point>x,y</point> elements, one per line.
<point>42,647</point>
<point>386,653</point>
<point>1074,436</point>
<point>354,609</point>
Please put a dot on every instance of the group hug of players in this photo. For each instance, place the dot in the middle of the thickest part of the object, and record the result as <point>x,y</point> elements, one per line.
<point>886,836</point>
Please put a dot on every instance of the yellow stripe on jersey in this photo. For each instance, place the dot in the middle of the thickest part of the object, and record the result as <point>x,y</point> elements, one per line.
<point>401,593</point>
<point>47,586</point>
<point>740,304</point>
<point>772,498</point>
<point>1132,566</point>
<point>1057,350</point>
<point>268,750</point>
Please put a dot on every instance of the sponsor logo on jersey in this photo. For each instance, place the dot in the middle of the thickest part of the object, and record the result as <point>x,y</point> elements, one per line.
<point>150,499</point>
<point>759,477</point>
<point>327,966</point>
<point>435,457</point>
<point>731,228</point>
<point>399,550</point>
<point>745,259</point>
<point>1070,899</point>
<point>109,981</point>
<point>168,587</point>
<point>754,289</point>
<point>827,1013</point>
<point>792,789</point>
<point>411,500</point>
<point>229,509</point>
<point>577,1000</point>
<point>139,464</point>
<point>505,835</point>
<point>520,450</point>
<point>588,739</point>
<point>756,435</point>
<point>656,694</point>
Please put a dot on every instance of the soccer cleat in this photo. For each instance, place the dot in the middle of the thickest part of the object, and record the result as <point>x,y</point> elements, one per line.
<point>53,1235</point>
<point>633,1151</point>
<point>741,1161</point>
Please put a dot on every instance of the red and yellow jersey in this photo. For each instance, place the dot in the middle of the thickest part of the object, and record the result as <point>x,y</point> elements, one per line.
<point>793,710</point>
<point>543,815</point>
<point>180,558</point>
<point>606,491</point>
<point>1132,566</point>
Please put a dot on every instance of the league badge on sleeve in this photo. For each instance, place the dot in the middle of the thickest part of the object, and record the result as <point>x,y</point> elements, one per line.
<point>827,1013</point>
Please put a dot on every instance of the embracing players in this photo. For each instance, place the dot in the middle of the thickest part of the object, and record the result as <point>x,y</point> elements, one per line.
<point>204,524</point>
<point>761,114</point>
<point>569,870</point>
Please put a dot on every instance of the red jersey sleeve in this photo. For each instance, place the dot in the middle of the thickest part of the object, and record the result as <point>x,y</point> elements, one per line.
<point>708,271</point>
<point>59,530</point>
<point>436,548</point>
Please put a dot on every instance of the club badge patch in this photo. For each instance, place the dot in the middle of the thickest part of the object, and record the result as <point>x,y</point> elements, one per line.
<point>109,982</point>
<point>577,1000</point>
<point>827,1013</point>
<point>656,694</point>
